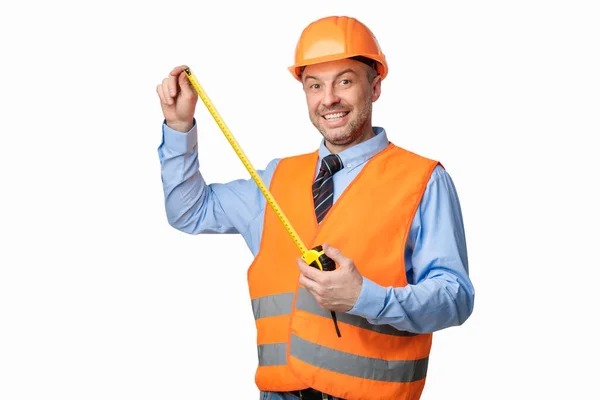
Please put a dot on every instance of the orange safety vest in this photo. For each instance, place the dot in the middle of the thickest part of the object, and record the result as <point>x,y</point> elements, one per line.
<point>297,343</point>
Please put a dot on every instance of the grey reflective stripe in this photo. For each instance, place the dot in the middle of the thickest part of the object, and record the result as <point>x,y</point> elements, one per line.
<point>307,302</point>
<point>359,366</point>
<point>272,354</point>
<point>272,306</point>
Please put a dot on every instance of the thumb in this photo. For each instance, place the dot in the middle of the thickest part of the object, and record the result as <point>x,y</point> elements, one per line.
<point>335,254</point>
<point>185,84</point>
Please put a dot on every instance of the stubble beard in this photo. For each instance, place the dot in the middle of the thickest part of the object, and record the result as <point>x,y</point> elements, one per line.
<point>346,135</point>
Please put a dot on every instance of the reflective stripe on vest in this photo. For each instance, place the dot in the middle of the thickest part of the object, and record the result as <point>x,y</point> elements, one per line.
<point>336,361</point>
<point>330,359</point>
<point>281,304</point>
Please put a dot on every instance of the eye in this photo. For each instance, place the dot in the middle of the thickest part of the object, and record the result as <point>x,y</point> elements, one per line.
<point>314,86</point>
<point>345,82</point>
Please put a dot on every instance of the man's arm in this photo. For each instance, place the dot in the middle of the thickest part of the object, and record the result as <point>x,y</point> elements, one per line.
<point>192,205</point>
<point>440,293</point>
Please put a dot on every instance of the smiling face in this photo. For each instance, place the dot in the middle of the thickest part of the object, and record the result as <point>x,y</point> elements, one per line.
<point>339,95</point>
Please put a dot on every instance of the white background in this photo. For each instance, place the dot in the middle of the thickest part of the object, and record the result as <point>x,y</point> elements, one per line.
<point>101,299</point>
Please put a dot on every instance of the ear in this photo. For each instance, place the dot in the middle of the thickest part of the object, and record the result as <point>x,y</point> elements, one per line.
<point>376,88</point>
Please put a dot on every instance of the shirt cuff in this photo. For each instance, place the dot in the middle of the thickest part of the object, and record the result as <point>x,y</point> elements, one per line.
<point>370,301</point>
<point>180,142</point>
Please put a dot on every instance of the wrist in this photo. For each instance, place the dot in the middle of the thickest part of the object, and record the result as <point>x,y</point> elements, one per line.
<point>180,126</point>
<point>180,142</point>
<point>371,300</point>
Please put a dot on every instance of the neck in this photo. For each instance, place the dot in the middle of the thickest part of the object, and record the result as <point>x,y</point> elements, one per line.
<point>367,134</point>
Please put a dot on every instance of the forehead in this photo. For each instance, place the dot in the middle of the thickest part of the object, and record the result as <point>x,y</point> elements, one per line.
<point>331,69</point>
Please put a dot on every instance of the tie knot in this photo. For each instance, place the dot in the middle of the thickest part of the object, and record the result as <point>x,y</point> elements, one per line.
<point>331,164</point>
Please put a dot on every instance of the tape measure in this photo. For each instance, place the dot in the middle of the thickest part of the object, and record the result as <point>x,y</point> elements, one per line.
<point>312,256</point>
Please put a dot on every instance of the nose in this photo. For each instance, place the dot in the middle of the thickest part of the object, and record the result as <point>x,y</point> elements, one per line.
<point>330,97</point>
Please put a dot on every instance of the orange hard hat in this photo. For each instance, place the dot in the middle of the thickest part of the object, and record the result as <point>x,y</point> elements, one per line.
<point>334,38</point>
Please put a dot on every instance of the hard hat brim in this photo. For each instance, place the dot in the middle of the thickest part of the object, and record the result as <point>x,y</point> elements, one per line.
<point>382,69</point>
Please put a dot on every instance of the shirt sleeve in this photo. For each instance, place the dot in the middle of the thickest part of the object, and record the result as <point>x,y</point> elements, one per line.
<point>440,293</point>
<point>192,205</point>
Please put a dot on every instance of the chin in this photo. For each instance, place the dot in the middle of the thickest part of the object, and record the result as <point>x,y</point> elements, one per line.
<point>339,139</point>
<point>339,135</point>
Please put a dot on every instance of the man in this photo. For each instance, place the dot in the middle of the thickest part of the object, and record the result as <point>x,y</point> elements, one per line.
<point>389,219</point>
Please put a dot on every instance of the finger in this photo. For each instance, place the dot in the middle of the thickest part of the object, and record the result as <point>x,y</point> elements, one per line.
<point>172,82</point>
<point>309,272</point>
<point>159,91</point>
<point>311,286</point>
<point>165,91</point>
<point>314,289</point>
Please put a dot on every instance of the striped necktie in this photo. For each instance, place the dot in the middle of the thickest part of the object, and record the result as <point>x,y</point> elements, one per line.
<point>323,185</point>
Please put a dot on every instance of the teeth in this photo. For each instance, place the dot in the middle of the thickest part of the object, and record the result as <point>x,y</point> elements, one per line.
<point>330,117</point>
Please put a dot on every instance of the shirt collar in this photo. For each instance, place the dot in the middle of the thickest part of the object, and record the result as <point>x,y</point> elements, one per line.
<point>361,153</point>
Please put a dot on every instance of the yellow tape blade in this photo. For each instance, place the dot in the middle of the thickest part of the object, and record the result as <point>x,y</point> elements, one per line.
<point>242,156</point>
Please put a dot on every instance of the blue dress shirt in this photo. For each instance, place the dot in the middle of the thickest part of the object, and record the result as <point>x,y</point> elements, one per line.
<point>439,294</point>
